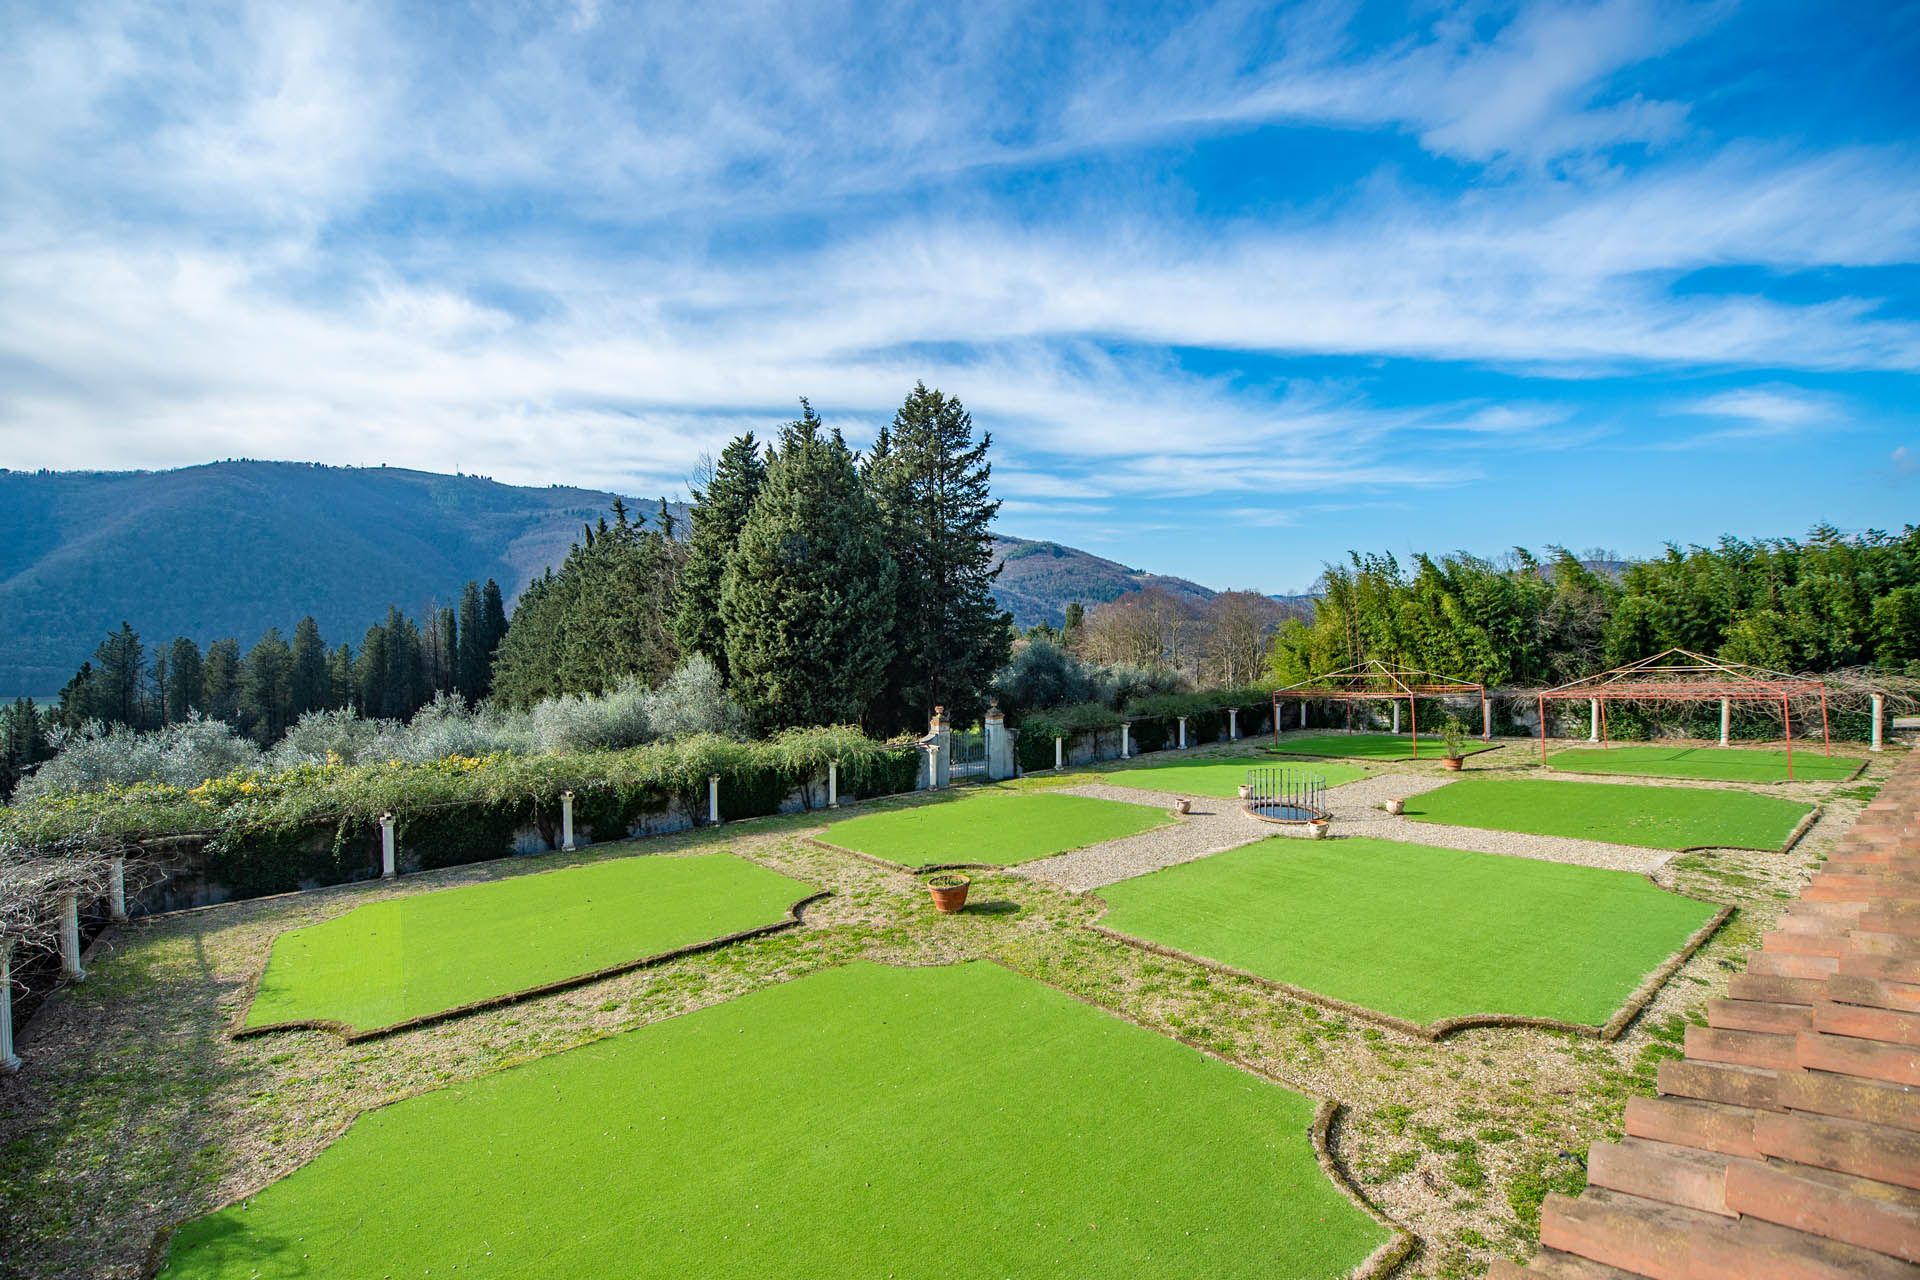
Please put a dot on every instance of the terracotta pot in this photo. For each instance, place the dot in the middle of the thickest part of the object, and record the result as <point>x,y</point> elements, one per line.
<point>948,899</point>
<point>1183,807</point>
<point>1318,830</point>
<point>1452,764</point>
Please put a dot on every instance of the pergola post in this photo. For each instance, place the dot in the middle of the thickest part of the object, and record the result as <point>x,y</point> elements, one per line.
<point>1593,714</point>
<point>1543,729</point>
<point>1486,719</point>
<point>1786,719</point>
<point>833,784</point>
<point>566,822</point>
<point>1396,715</point>
<point>1059,752</point>
<point>70,939</point>
<point>117,889</point>
<point>9,1060</point>
<point>1726,720</point>
<point>1304,704</point>
<point>1126,732</point>
<point>1183,733</point>
<point>388,862</point>
<point>1233,724</point>
<point>1879,714</point>
<point>713,797</point>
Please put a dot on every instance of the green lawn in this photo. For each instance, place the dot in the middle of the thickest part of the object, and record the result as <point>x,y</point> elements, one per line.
<point>1413,931</point>
<point>1218,777</point>
<point>862,1122</point>
<point>406,957</point>
<point>1650,817</point>
<point>1368,746</point>
<point>999,828</point>
<point>1711,764</point>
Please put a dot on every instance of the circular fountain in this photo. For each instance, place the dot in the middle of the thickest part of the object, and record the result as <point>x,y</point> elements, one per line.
<point>1285,795</point>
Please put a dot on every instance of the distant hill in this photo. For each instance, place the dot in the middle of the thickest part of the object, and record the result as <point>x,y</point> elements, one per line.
<point>233,548</point>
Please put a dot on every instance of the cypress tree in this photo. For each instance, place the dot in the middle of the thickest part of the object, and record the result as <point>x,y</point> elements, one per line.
<point>472,660</point>
<point>931,483</point>
<point>807,596</point>
<point>186,688</point>
<point>220,678</point>
<point>442,652</point>
<point>719,513</point>
<point>309,681</point>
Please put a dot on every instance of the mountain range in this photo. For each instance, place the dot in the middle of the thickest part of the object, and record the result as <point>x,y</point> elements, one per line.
<point>233,548</point>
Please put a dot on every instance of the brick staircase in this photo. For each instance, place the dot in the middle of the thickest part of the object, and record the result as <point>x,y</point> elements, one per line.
<point>1786,1144</point>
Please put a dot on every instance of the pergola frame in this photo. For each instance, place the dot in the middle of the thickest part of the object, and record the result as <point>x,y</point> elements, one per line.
<point>1681,675</point>
<point>1377,681</point>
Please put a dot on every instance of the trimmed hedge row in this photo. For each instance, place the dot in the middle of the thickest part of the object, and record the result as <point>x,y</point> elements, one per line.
<point>1154,720</point>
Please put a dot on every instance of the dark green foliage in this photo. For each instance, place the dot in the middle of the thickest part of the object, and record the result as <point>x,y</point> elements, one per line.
<point>718,515</point>
<point>808,594</point>
<point>308,688</point>
<point>454,836</point>
<point>23,742</point>
<point>280,860</point>
<point>220,680</point>
<point>931,484</point>
<point>390,675</point>
<point>266,688</point>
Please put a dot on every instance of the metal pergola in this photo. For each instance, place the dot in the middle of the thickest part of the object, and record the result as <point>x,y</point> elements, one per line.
<point>1377,681</point>
<point>1681,675</point>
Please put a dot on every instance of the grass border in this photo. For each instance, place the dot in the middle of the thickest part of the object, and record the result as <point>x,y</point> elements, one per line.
<point>1859,767</point>
<point>1812,815</point>
<point>238,1030</point>
<point>928,868</point>
<point>1611,1029</point>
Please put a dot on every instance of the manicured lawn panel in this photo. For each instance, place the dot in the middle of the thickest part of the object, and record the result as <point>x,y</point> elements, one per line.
<point>999,828</point>
<point>1368,746</point>
<point>1412,931</point>
<point>1707,764</point>
<point>1649,817</point>
<point>862,1122</point>
<point>1220,778</point>
<point>407,957</point>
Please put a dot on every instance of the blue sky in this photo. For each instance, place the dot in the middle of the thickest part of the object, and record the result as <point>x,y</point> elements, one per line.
<point>1236,287</point>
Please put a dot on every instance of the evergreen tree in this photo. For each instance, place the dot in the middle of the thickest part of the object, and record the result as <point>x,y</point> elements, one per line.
<point>220,680</point>
<point>153,701</point>
<point>23,743</point>
<point>493,630</point>
<point>186,690</point>
<point>720,510</point>
<point>807,598</point>
<point>266,688</point>
<point>309,684</point>
<point>443,651</point>
<point>341,689</point>
<point>931,483</point>
<point>114,692</point>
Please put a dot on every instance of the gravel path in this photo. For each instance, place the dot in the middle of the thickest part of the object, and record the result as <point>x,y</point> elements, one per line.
<point>1217,825</point>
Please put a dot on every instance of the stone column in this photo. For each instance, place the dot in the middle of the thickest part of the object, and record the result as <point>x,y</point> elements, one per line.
<point>117,889</point>
<point>999,743</point>
<point>9,1060</point>
<point>833,784</point>
<point>713,797</point>
<point>1593,715</point>
<point>937,744</point>
<point>1126,731</point>
<point>1303,713</point>
<point>936,768</point>
<point>1233,724</point>
<point>1726,720</point>
<point>1486,720</point>
<point>566,822</point>
<point>1879,715</point>
<point>1059,752</point>
<point>389,865</point>
<point>70,939</point>
<point>1396,715</point>
<point>1183,733</point>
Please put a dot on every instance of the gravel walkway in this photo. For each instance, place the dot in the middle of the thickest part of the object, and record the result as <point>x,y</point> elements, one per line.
<point>1217,825</point>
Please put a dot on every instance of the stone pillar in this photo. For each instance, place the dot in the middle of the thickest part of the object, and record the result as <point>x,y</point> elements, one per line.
<point>713,797</point>
<point>70,939</point>
<point>566,822</point>
<point>1879,716</point>
<point>938,744</point>
<point>1593,715</point>
<point>389,865</point>
<point>9,1060</point>
<point>1059,752</point>
<point>1183,733</point>
<point>117,889</point>
<point>833,784</point>
<point>1233,724</point>
<point>999,743</point>
<point>1726,720</point>
<point>936,767</point>
<point>1486,720</point>
<point>1126,731</point>
<point>1303,713</point>
<point>1396,715</point>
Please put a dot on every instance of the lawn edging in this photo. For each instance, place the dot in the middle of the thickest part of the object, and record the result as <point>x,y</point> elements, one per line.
<point>1621,1019</point>
<point>238,1030</point>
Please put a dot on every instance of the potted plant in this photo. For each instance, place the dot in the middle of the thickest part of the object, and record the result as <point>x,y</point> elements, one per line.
<point>949,890</point>
<point>1454,735</point>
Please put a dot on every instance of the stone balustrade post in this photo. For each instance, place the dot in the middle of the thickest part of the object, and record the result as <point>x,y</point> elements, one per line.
<point>566,822</point>
<point>70,939</point>
<point>833,784</point>
<point>1593,717</point>
<point>1183,733</point>
<point>1879,716</point>
<point>713,797</point>
<point>1233,724</point>
<point>117,889</point>
<point>1126,732</point>
<point>1059,752</point>
<point>1726,720</point>
<point>389,861</point>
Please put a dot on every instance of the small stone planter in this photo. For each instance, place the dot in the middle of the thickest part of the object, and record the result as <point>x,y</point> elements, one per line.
<point>1182,807</point>
<point>1246,792</point>
<point>1395,807</point>
<point>949,890</point>
<point>1317,829</point>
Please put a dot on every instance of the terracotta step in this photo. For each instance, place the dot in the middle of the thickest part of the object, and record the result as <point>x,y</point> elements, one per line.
<point>1756,986</point>
<point>1885,968</point>
<point>1847,989</point>
<point>1773,964</point>
<point>1661,1171</point>
<point>1552,1265</point>
<point>1827,942</point>
<point>1753,1250</point>
<point>1742,1048</point>
<point>1856,1211</point>
<point>1846,1098</point>
<point>1872,942</point>
<point>1886,1025</point>
<point>1720,1082</point>
<point>1845,1146</point>
<point>1892,915</point>
<point>1895,1063</point>
<point>1709,1126</point>
<point>1759,1015</point>
<point>1795,920</point>
<point>1641,1236</point>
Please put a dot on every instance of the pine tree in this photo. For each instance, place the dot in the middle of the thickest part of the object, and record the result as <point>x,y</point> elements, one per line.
<point>220,680</point>
<point>471,662</point>
<point>719,513</point>
<point>114,693</point>
<point>341,689</point>
<point>443,651</point>
<point>186,688</point>
<point>309,680</point>
<point>807,596</point>
<point>493,630</point>
<point>931,483</point>
<point>266,688</point>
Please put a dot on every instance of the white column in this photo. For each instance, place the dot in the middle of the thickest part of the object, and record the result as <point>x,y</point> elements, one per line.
<point>1303,713</point>
<point>833,784</point>
<point>1059,752</point>
<point>1233,724</point>
<point>1593,715</point>
<point>1726,720</point>
<point>933,765</point>
<point>713,797</point>
<point>1486,720</point>
<point>1183,733</point>
<point>566,822</point>
<point>9,1060</point>
<point>1879,714</point>
<point>389,865</point>
<point>1396,715</point>
<point>117,889</point>
<point>70,939</point>
<point>1126,730</point>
